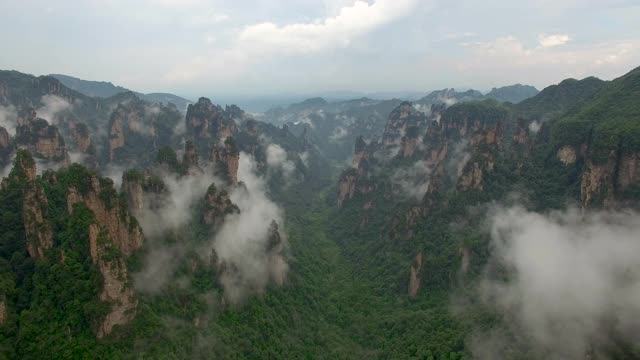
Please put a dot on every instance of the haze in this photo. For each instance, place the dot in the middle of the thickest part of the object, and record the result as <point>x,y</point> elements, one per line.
<point>308,47</point>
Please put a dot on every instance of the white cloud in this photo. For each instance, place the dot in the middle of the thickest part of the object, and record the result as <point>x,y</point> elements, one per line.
<point>257,41</point>
<point>52,105</point>
<point>243,241</point>
<point>277,160</point>
<point>338,31</point>
<point>553,40</point>
<point>507,58</point>
<point>574,281</point>
<point>9,119</point>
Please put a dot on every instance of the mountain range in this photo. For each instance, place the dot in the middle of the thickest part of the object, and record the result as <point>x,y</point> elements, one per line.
<point>459,225</point>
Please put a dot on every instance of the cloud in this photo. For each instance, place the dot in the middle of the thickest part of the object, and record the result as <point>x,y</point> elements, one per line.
<point>210,18</point>
<point>277,160</point>
<point>258,42</point>
<point>328,33</point>
<point>553,40</point>
<point>9,119</point>
<point>176,204</point>
<point>168,214</point>
<point>339,133</point>
<point>534,127</point>
<point>412,182</point>
<point>244,244</point>
<point>52,105</point>
<point>572,283</point>
<point>506,58</point>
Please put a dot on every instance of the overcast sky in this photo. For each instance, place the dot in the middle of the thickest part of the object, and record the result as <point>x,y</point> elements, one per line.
<point>304,46</point>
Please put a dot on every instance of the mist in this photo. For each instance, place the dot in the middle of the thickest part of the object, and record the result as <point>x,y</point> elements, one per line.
<point>9,119</point>
<point>573,286</point>
<point>51,106</point>
<point>242,244</point>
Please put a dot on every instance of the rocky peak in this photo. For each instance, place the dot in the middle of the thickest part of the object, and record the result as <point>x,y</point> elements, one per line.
<point>80,135</point>
<point>227,159</point>
<point>40,138</point>
<point>403,116</point>
<point>274,241</point>
<point>217,206</point>
<point>24,165</point>
<point>415,275</point>
<point>190,158</point>
<point>35,206</point>
<point>100,196</point>
<point>6,147</point>
<point>4,138</point>
<point>143,189</point>
<point>360,152</point>
<point>207,120</point>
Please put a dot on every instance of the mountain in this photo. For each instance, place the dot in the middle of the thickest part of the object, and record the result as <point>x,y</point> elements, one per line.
<point>90,88</point>
<point>513,93</point>
<point>103,89</point>
<point>452,227</point>
<point>557,99</point>
<point>413,205</point>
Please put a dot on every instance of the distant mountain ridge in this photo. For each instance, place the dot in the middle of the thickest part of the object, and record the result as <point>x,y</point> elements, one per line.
<point>105,89</point>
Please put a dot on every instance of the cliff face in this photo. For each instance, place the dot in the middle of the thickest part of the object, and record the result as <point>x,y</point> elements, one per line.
<point>143,190</point>
<point>81,137</point>
<point>114,236</point>
<point>217,206</point>
<point>102,200</point>
<point>138,129</point>
<point>190,159</point>
<point>415,276</point>
<point>205,120</point>
<point>6,147</point>
<point>226,158</point>
<point>610,183</point>
<point>115,289</point>
<point>41,139</point>
<point>401,120</point>
<point>34,208</point>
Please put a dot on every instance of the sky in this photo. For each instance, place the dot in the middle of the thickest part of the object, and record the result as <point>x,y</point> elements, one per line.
<point>267,47</point>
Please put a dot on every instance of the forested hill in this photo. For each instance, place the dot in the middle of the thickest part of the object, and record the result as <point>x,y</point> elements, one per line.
<point>455,230</point>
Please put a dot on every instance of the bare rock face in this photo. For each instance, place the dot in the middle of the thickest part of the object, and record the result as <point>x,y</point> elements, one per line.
<point>471,178</point>
<point>217,206</point>
<point>360,152</point>
<point>80,135</point>
<point>6,147</point>
<point>34,209</point>
<point>227,159</point>
<point>400,120</point>
<point>41,139</point>
<point>597,183</point>
<point>37,228</point>
<point>346,187</point>
<point>408,146</point>
<point>3,311</point>
<point>415,275</point>
<point>104,202</point>
<point>116,134</point>
<point>205,120</point>
<point>521,136</point>
<point>190,159</point>
<point>116,291</point>
<point>132,182</point>
<point>628,172</point>
<point>567,155</point>
<point>465,254</point>
<point>4,138</point>
<point>275,255</point>
<point>143,190</point>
